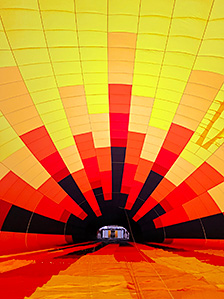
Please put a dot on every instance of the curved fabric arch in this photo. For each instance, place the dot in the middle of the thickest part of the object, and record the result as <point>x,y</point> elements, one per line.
<point>111,112</point>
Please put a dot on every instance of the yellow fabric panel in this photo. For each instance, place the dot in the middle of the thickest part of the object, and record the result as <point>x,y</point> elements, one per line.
<point>157,8</point>
<point>69,79</point>
<point>98,108</point>
<point>71,157</point>
<point>96,89</point>
<point>209,134</point>
<point>6,56</point>
<point>31,56</point>
<point>26,39</point>
<point>92,38</point>
<point>94,54</point>
<point>97,99</point>
<point>157,24</point>
<point>31,4</point>
<point>36,70</point>
<point>93,22</point>
<point>67,67</point>
<point>59,5</point>
<point>217,195</point>
<point>216,160</point>
<point>140,112</point>
<point>183,37</point>
<point>188,28</point>
<point>14,22</point>
<point>98,6</point>
<point>151,41</point>
<point>10,141</point>
<point>74,102</point>
<point>92,31</point>
<point>153,57</point>
<point>43,95</point>
<point>123,23</point>
<point>123,17</point>
<point>180,171</point>
<point>64,54</point>
<point>63,137</point>
<point>213,122</point>
<point>161,118</point>
<point>129,7</point>
<point>211,52</point>
<point>59,20</point>
<point>101,139</point>
<point>26,166</point>
<point>96,78</point>
<point>152,144</point>
<point>98,66</point>
<point>100,121</point>
<point>35,81</point>
<point>201,8</point>
<point>61,38</point>
<point>3,171</point>
<point>145,68</point>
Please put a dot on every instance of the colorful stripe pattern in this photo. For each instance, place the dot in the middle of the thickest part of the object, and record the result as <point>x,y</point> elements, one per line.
<point>111,109</point>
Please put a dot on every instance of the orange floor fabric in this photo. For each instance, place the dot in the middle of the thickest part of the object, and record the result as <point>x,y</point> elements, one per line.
<point>125,270</point>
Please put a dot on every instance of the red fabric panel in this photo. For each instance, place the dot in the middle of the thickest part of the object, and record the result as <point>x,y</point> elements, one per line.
<point>164,161</point>
<point>87,152</point>
<point>42,147</point>
<point>173,217</point>
<point>128,177</point>
<point>177,138</point>
<point>119,106</point>
<point>145,208</point>
<point>55,166</point>
<point>39,143</point>
<point>137,186</point>
<point>4,209</point>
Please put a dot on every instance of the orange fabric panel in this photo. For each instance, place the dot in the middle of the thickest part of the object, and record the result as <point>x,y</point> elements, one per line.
<point>163,189</point>
<point>81,180</point>
<point>9,74</point>
<point>104,158</point>
<point>143,169</point>
<point>52,190</point>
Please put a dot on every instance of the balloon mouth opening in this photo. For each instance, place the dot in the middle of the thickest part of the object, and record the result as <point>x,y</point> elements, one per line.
<point>113,233</point>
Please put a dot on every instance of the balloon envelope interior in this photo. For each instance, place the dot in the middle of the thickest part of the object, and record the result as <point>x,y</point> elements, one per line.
<point>112,112</point>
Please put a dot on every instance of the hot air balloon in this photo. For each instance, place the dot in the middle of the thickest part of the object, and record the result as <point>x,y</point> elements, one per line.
<point>112,113</point>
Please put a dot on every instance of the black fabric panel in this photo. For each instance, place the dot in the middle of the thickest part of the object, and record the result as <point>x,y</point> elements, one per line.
<point>159,210</point>
<point>154,213</point>
<point>136,206</point>
<point>150,185</point>
<point>151,234</point>
<point>43,225</point>
<point>191,229</point>
<point>118,154</point>
<point>214,226</point>
<point>98,192</point>
<point>17,220</point>
<point>118,157</point>
<point>71,188</point>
